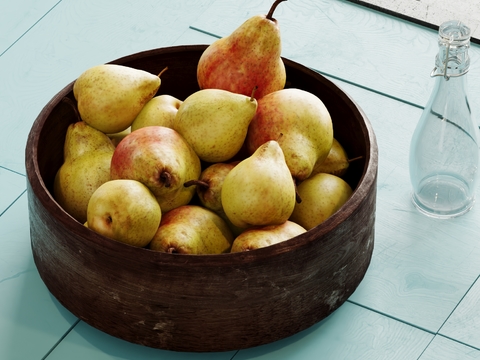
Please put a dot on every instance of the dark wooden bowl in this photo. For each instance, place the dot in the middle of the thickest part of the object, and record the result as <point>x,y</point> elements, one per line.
<point>202,302</point>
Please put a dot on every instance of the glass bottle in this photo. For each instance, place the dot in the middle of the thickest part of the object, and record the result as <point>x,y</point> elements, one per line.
<point>444,151</point>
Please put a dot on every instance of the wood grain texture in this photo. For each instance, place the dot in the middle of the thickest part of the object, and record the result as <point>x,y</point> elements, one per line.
<point>18,19</point>
<point>442,348</point>
<point>350,333</point>
<point>69,39</point>
<point>203,303</point>
<point>12,185</point>
<point>384,53</point>
<point>421,267</point>
<point>463,324</point>
<point>86,342</point>
<point>28,312</point>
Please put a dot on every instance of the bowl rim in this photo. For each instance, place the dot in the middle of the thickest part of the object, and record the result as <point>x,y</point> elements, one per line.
<point>35,180</point>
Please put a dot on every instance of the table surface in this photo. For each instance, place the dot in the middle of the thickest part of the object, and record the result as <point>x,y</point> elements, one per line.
<point>420,298</point>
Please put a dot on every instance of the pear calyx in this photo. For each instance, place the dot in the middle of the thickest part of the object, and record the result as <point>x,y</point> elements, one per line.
<point>166,178</point>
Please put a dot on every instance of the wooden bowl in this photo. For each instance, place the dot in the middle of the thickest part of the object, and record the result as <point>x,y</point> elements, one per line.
<point>202,303</point>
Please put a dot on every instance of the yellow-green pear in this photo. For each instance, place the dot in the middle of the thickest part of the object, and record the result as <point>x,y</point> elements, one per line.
<point>192,229</point>
<point>110,96</point>
<point>263,236</point>
<point>117,137</point>
<point>86,166</point>
<point>160,110</point>
<point>336,162</point>
<point>124,210</point>
<point>81,138</point>
<point>322,195</point>
<point>215,122</point>
<point>301,124</point>
<point>260,189</point>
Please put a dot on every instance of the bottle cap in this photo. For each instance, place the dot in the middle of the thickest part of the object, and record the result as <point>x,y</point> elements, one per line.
<point>454,32</point>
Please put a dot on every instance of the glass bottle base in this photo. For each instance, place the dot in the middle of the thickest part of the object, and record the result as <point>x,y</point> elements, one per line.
<point>443,197</point>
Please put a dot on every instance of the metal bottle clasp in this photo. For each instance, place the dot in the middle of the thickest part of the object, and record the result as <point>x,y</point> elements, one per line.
<point>445,65</point>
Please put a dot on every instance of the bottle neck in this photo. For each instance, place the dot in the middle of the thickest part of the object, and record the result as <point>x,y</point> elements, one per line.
<point>452,60</point>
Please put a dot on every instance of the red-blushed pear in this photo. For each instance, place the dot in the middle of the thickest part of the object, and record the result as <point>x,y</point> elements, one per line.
<point>209,190</point>
<point>250,56</point>
<point>110,96</point>
<point>160,158</point>
<point>322,195</point>
<point>159,111</point>
<point>301,124</point>
<point>263,236</point>
<point>260,189</point>
<point>86,166</point>
<point>124,210</point>
<point>194,230</point>
<point>209,185</point>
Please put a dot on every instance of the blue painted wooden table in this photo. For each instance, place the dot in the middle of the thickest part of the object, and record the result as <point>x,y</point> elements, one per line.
<point>420,298</point>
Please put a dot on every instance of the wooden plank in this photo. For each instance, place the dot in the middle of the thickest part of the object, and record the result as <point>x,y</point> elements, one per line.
<point>431,12</point>
<point>442,348</point>
<point>17,20</point>
<point>351,42</point>
<point>351,332</point>
<point>464,323</point>
<point>421,267</point>
<point>86,342</point>
<point>28,312</point>
<point>12,186</point>
<point>69,40</point>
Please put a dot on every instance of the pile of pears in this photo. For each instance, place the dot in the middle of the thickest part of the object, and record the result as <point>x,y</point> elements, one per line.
<point>241,164</point>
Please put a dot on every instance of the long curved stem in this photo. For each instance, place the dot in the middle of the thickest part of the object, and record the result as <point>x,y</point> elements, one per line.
<point>272,9</point>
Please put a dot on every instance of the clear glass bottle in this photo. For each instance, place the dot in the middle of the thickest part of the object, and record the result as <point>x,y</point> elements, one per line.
<point>444,151</point>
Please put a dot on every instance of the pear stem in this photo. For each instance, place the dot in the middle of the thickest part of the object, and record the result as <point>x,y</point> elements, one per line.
<point>253,93</point>
<point>272,9</point>
<point>166,178</point>
<point>355,159</point>
<point>161,72</point>
<point>199,183</point>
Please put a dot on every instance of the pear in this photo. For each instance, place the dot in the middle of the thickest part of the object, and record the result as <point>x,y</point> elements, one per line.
<point>160,110</point>
<point>336,162</point>
<point>192,229</point>
<point>81,138</point>
<point>301,124</point>
<point>322,195</point>
<point>110,96</point>
<point>209,185</point>
<point>124,210</point>
<point>260,189</point>
<point>215,122</point>
<point>209,190</point>
<point>263,236</point>
<point>250,56</point>
<point>86,166</point>
<point>161,159</point>
<point>117,137</point>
